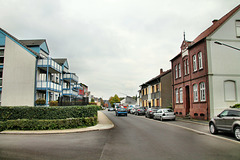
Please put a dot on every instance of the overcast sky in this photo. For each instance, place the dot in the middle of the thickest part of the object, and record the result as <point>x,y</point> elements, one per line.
<point>113,45</point>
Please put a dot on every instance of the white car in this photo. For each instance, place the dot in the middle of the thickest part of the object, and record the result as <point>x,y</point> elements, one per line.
<point>164,113</point>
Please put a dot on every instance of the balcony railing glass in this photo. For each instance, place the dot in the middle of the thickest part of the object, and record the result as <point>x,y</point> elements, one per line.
<point>70,92</point>
<point>49,63</point>
<point>43,85</point>
<point>71,76</point>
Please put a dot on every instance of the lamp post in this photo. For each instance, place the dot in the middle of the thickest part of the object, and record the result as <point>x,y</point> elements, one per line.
<point>223,44</point>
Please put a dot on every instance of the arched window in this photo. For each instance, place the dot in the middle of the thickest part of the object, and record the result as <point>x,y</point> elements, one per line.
<point>181,95</point>
<point>230,90</point>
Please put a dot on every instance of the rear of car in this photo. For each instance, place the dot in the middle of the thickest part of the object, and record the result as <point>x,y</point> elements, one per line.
<point>121,111</point>
<point>150,112</point>
<point>165,114</point>
<point>140,111</point>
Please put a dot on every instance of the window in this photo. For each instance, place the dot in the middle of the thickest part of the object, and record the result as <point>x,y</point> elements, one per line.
<point>176,93</point>
<point>187,64</point>
<point>179,70</point>
<point>200,65</point>
<point>181,95</point>
<point>185,67</point>
<point>176,71</point>
<point>230,90</point>
<point>238,28</point>
<point>195,92</point>
<point>202,92</point>
<point>194,63</point>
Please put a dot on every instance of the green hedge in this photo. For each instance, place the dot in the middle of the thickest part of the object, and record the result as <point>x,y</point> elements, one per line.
<point>56,112</point>
<point>26,124</point>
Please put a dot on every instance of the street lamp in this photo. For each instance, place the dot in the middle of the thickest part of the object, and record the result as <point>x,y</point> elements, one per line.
<point>220,43</point>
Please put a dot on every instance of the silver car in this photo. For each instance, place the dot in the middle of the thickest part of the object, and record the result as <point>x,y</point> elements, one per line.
<point>227,121</point>
<point>164,114</point>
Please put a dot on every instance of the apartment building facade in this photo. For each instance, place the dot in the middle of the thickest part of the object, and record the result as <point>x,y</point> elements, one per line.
<point>157,91</point>
<point>206,75</point>
<point>28,73</point>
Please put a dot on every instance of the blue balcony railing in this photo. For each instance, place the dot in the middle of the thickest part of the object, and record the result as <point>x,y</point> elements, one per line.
<point>70,76</point>
<point>69,92</point>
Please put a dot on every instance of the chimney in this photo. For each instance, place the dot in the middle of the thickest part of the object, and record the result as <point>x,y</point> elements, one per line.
<point>214,21</point>
<point>161,71</point>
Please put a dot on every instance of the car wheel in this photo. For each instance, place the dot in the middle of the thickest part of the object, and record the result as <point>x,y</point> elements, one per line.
<point>212,129</point>
<point>237,132</point>
<point>154,117</point>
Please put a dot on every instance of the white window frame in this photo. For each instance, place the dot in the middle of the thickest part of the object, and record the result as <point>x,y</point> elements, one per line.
<point>195,93</point>
<point>180,95</point>
<point>176,93</point>
<point>179,70</point>
<point>176,71</point>
<point>232,96</point>
<point>194,63</point>
<point>200,62</point>
<point>185,67</point>
<point>202,92</point>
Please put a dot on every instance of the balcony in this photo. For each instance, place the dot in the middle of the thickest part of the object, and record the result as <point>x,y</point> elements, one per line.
<point>69,92</point>
<point>70,77</point>
<point>52,66</point>
<point>155,95</point>
<point>43,85</point>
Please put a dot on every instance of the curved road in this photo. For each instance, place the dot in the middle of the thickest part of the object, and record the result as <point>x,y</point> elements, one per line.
<point>133,137</point>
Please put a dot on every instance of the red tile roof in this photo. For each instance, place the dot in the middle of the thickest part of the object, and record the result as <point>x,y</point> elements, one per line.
<point>215,25</point>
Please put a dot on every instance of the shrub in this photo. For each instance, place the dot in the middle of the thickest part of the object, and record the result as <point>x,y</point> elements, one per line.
<point>26,124</point>
<point>40,101</point>
<point>13,113</point>
<point>236,106</point>
<point>53,103</point>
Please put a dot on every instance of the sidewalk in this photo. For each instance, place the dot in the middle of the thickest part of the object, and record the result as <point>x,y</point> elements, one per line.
<point>103,124</point>
<point>202,122</point>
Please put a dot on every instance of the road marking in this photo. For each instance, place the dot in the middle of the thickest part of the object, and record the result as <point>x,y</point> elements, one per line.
<point>196,131</point>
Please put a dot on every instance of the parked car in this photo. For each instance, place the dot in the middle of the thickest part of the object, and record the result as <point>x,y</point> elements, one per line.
<point>140,111</point>
<point>132,111</point>
<point>164,114</point>
<point>111,109</point>
<point>150,112</point>
<point>227,121</point>
<point>121,111</point>
<point>129,108</point>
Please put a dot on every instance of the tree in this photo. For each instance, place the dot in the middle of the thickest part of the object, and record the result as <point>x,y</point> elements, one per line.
<point>114,99</point>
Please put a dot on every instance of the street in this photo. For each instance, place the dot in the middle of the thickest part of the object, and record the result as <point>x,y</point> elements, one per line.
<point>133,137</point>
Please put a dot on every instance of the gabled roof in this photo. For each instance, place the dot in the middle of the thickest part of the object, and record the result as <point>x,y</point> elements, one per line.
<point>19,42</point>
<point>215,25</point>
<point>157,77</point>
<point>60,61</point>
<point>33,42</point>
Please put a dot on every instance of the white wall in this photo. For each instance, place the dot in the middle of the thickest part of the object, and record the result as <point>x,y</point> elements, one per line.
<point>223,64</point>
<point>18,76</point>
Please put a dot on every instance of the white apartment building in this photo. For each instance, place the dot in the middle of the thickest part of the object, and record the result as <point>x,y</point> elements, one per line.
<point>28,73</point>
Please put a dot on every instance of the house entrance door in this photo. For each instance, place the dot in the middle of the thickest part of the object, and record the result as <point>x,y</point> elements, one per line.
<point>187,100</point>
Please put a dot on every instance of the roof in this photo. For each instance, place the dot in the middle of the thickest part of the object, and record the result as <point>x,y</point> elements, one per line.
<point>60,61</point>
<point>215,25</point>
<point>18,41</point>
<point>158,76</point>
<point>33,42</point>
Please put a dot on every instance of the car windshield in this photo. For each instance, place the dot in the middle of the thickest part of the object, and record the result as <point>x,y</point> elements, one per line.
<point>167,110</point>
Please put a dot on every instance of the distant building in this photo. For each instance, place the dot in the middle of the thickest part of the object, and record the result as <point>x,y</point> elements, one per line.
<point>157,92</point>
<point>128,101</point>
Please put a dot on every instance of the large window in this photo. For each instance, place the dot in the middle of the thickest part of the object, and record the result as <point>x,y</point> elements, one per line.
<point>176,93</point>
<point>181,95</point>
<point>195,92</point>
<point>230,90</point>
<point>194,63</point>
<point>238,28</point>
<point>202,92</point>
<point>179,70</point>
<point>176,71</point>
<point>200,62</point>
<point>186,67</point>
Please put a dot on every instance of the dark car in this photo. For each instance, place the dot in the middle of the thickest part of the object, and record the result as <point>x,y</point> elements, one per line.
<point>227,121</point>
<point>140,111</point>
<point>150,112</point>
<point>121,111</point>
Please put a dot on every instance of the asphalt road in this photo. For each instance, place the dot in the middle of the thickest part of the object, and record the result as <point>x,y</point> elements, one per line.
<point>132,138</point>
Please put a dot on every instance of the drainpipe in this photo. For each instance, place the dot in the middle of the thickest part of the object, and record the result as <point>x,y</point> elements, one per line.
<point>35,83</point>
<point>47,82</point>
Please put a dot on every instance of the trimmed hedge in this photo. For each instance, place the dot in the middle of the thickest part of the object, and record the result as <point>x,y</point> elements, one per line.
<point>26,124</point>
<point>56,112</point>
